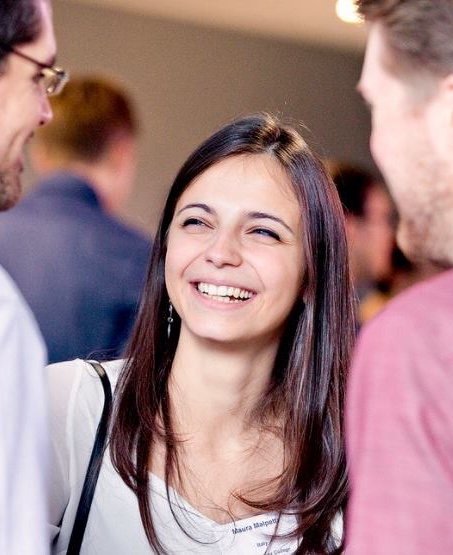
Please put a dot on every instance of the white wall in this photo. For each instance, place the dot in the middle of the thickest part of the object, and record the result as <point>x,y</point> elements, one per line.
<point>188,80</point>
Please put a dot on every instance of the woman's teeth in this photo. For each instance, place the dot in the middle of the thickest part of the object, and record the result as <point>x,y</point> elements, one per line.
<point>224,293</point>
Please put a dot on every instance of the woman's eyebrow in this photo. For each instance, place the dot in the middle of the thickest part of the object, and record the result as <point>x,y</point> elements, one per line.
<point>253,215</point>
<point>204,207</point>
<point>265,216</point>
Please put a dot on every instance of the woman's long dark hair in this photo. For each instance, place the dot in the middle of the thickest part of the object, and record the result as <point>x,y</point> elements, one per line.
<point>308,380</point>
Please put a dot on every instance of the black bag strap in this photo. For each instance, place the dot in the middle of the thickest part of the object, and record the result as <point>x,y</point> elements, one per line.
<point>94,466</point>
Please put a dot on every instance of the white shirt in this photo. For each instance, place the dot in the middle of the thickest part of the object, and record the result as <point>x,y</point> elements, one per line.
<point>114,525</point>
<point>23,427</point>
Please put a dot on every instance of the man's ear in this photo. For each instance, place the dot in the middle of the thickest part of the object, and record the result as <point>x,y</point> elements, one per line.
<point>120,149</point>
<point>120,160</point>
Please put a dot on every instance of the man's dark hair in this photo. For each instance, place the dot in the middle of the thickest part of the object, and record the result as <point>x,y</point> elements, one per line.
<point>20,23</point>
<point>418,32</point>
<point>353,185</point>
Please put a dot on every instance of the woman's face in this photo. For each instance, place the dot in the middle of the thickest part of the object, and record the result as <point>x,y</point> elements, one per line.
<point>234,263</point>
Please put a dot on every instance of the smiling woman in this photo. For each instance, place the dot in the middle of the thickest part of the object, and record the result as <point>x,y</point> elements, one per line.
<point>228,410</point>
<point>236,228</point>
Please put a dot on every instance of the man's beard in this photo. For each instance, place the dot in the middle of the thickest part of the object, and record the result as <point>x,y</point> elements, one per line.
<point>10,188</point>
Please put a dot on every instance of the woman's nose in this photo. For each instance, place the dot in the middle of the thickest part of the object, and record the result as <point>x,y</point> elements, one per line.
<point>224,250</point>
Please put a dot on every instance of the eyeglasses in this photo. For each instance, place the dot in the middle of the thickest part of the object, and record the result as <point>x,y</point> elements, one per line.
<point>53,79</point>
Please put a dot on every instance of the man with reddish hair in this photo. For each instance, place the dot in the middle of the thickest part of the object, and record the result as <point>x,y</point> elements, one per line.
<point>27,76</point>
<point>400,396</point>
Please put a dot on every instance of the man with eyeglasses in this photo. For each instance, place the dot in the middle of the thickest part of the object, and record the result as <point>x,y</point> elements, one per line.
<point>27,76</point>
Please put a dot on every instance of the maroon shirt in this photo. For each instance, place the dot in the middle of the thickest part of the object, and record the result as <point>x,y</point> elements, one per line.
<point>400,427</point>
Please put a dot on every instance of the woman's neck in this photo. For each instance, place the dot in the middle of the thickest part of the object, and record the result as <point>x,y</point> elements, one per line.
<point>214,388</point>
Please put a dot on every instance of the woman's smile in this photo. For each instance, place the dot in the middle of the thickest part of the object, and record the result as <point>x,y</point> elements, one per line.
<point>224,293</point>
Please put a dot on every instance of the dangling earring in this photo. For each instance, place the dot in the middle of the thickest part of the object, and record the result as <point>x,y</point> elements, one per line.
<point>170,318</point>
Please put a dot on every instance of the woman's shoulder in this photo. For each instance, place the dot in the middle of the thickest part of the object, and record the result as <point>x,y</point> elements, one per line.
<point>74,386</point>
<point>78,369</point>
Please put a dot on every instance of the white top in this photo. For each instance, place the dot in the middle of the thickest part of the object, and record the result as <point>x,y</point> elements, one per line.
<point>23,427</point>
<point>114,525</point>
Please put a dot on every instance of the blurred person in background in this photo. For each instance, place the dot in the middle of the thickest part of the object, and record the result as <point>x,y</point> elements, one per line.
<point>400,394</point>
<point>79,267</point>
<point>27,76</point>
<point>370,229</point>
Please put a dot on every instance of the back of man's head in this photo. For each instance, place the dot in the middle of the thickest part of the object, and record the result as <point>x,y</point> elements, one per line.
<point>90,113</point>
<point>20,23</point>
<point>93,136</point>
<point>418,32</point>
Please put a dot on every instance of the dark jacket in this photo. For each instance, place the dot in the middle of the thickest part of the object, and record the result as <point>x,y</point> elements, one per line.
<point>80,269</point>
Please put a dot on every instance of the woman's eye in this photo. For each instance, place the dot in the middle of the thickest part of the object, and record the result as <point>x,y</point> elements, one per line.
<point>193,222</point>
<point>266,233</point>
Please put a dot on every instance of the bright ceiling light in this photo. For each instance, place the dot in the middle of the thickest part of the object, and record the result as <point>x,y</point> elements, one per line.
<point>347,11</point>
